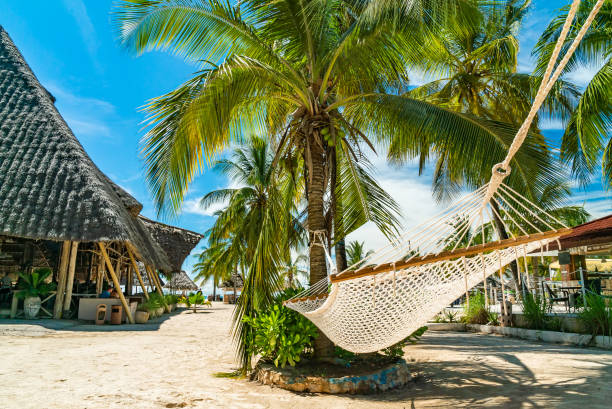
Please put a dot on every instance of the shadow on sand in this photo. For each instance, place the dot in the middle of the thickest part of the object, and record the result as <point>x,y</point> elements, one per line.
<point>491,375</point>
<point>47,326</point>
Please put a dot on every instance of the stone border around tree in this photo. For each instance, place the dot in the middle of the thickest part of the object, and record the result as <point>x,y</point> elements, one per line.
<point>393,376</point>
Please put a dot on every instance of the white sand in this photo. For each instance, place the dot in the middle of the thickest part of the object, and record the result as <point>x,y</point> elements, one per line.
<point>173,367</point>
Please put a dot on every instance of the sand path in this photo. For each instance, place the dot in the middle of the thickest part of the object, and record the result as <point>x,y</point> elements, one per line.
<point>171,365</point>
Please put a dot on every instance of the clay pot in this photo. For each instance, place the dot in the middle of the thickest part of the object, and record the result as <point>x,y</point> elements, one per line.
<point>160,311</point>
<point>141,317</point>
<point>31,306</point>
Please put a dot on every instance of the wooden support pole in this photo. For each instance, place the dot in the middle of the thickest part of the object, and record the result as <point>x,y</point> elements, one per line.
<point>153,273</point>
<point>156,280</point>
<point>128,279</point>
<point>135,266</point>
<point>111,272</point>
<point>70,280</point>
<point>99,274</point>
<point>61,280</point>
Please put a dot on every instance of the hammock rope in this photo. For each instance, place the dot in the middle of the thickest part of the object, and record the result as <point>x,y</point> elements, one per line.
<point>382,299</point>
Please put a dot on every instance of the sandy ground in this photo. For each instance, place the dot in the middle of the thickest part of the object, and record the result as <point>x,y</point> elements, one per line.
<point>171,364</point>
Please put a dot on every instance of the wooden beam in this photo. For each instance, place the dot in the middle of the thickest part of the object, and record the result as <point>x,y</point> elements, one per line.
<point>111,272</point>
<point>70,280</point>
<point>135,266</point>
<point>99,273</point>
<point>153,273</point>
<point>446,255</point>
<point>61,280</point>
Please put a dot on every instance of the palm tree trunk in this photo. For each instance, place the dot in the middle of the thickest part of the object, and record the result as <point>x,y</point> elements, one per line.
<point>503,235</point>
<point>323,347</point>
<point>340,247</point>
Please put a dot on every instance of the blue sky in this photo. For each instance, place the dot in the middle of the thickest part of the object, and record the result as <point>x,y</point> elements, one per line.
<point>71,46</point>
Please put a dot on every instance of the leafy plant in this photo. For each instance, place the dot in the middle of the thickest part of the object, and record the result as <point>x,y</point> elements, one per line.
<point>34,285</point>
<point>476,311</point>
<point>596,317</point>
<point>534,311</point>
<point>279,334</point>
<point>156,300</point>
<point>145,306</point>
<point>171,298</point>
<point>343,354</point>
<point>450,316</point>
<point>397,350</point>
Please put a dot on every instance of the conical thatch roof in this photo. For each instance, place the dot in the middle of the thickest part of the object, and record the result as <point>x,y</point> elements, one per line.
<point>177,243</point>
<point>49,187</point>
<point>180,281</point>
<point>229,284</point>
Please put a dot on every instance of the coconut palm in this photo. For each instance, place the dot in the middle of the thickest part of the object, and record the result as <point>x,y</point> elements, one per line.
<point>293,270</point>
<point>254,229</point>
<point>356,252</point>
<point>474,63</point>
<point>586,140</point>
<point>315,75</point>
<point>214,263</point>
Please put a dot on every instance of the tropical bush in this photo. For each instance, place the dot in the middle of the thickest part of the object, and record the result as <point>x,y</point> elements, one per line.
<point>171,299</point>
<point>596,316</point>
<point>280,335</point>
<point>33,284</point>
<point>476,312</point>
<point>534,311</point>
<point>157,300</point>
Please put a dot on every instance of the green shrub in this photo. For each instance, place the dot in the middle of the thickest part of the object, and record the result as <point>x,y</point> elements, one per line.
<point>596,317</point>
<point>33,284</point>
<point>397,350</point>
<point>534,311</point>
<point>476,312</point>
<point>280,335</point>
<point>171,298</point>
<point>156,300</point>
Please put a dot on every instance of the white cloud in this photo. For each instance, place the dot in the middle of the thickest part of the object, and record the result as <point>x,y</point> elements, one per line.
<point>411,192</point>
<point>583,74</point>
<point>78,10</point>
<point>64,96</point>
<point>551,124</point>
<point>192,206</point>
<point>87,127</point>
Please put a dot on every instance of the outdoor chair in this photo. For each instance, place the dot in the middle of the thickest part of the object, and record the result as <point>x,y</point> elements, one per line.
<point>554,298</point>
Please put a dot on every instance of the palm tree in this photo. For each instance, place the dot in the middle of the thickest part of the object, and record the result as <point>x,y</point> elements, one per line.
<point>356,252</point>
<point>214,263</point>
<point>292,270</point>
<point>586,140</point>
<point>312,74</point>
<point>254,229</point>
<point>475,63</point>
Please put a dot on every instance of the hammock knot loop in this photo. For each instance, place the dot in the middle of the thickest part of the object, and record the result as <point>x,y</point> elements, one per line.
<point>501,169</point>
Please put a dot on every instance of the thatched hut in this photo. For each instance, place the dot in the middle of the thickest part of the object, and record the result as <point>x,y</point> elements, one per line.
<point>181,282</point>
<point>231,288</point>
<point>176,242</point>
<point>57,209</point>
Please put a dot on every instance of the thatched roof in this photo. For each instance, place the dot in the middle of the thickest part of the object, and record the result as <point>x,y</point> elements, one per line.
<point>181,281</point>
<point>49,187</point>
<point>229,284</point>
<point>177,243</point>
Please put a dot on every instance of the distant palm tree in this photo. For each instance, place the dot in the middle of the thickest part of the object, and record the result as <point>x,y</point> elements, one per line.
<point>355,252</point>
<point>214,263</point>
<point>586,141</point>
<point>293,270</point>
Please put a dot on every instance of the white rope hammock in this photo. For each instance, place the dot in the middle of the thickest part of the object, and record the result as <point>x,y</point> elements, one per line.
<point>387,296</point>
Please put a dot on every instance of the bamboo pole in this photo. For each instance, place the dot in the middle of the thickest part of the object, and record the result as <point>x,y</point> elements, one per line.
<point>111,272</point>
<point>99,273</point>
<point>153,273</point>
<point>74,248</point>
<point>135,266</point>
<point>61,280</point>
